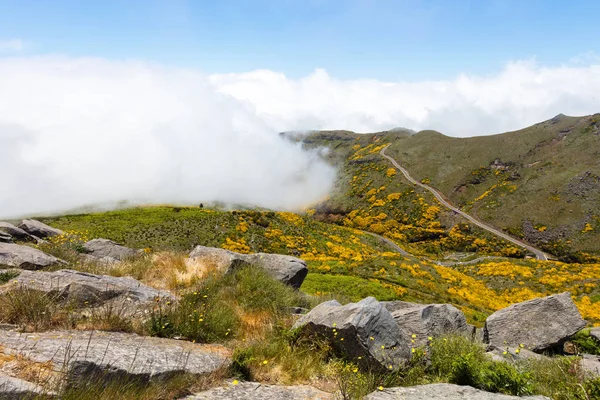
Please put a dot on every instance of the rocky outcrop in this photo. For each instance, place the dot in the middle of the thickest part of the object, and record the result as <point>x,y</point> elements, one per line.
<point>428,320</point>
<point>253,390</point>
<point>16,389</point>
<point>25,257</point>
<point>81,288</point>
<point>539,324</point>
<point>39,229</point>
<point>108,251</point>
<point>364,332</point>
<point>109,355</point>
<point>439,391</point>
<point>287,269</point>
<point>5,237</point>
<point>17,233</point>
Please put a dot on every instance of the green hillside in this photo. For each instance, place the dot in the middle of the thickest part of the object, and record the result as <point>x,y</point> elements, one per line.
<point>541,183</point>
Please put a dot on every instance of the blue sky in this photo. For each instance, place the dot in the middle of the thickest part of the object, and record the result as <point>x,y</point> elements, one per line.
<point>380,39</point>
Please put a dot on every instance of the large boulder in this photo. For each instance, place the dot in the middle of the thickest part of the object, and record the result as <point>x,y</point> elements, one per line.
<point>287,269</point>
<point>12,388</point>
<point>15,232</point>
<point>364,332</point>
<point>109,355</point>
<point>439,391</point>
<point>428,320</point>
<point>254,390</point>
<point>108,251</point>
<point>25,257</point>
<point>39,229</point>
<point>88,289</point>
<point>538,324</point>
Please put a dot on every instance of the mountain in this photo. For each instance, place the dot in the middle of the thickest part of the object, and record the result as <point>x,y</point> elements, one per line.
<point>541,184</point>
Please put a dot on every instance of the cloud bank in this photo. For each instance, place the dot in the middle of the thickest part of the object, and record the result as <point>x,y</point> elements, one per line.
<point>77,131</point>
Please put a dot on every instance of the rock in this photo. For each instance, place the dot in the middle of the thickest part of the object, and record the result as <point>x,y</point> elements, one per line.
<point>17,389</point>
<point>88,289</point>
<point>15,232</point>
<point>439,391</point>
<point>287,269</point>
<point>39,229</point>
<point>591,364</point>
<point>253,390</point>
<point>25,257</point>
<point>110,355</point>
<point>512,355</point>
<point>428,320</point>
<point>108,251</point>
<point>478,336</point>
<point>539,324</point>
<point>5,237</point>
<point>595,334</point>
<point>364,332</point>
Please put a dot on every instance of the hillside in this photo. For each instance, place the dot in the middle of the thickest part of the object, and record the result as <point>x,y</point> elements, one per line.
<point>540,183</point>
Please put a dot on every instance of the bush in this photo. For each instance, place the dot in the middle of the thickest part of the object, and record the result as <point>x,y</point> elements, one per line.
<point>585,343</point>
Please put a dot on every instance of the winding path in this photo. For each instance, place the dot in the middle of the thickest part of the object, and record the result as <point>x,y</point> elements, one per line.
<point>540,255</point>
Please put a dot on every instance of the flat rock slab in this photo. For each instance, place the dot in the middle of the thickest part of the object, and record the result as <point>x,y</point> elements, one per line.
<point>88,289</point>
<point>39,229</point>
<point>439,391</point>
<point>107,250</point>
<point>253,391</point>
<point>364,332</point>
<point>287,269</point>
<point>428,320</point>
<point>17,389</point>
<point>539,324</point>
<point>591,364</point>
<point>5,237</point>
<point>115,354</point>
<point>25,257</point>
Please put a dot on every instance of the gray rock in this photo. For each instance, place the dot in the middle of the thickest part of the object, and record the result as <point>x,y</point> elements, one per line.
<point>253,390</point>
<point>15,232</point>
<point>39,229</point>
<point>106,250</point>
<point>595,334</point>
<point>539,324</point>
<point>364,332</point>
<point>110,355</point>
<point>439,391</point>
<point>88,289</point>
<point>287,269</point>
<point>591,364</point>
<point>5,237</point>
<point>17,389</point>
<point>478,336</point>
<point>513,354</point>
<point>25,257</point>
<point>428,320</point>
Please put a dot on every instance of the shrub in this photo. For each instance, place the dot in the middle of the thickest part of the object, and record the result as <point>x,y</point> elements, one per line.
<point>585,343</point>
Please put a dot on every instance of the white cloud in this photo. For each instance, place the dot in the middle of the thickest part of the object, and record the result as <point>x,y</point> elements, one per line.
<point>12,45</point>
<point>78,131</point>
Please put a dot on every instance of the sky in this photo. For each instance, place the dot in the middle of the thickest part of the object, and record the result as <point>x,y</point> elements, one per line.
<point>181,101</point>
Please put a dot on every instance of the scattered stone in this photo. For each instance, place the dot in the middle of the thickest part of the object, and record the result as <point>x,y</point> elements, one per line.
<point>591,364</point>
<point>439,391</point>
<point>253,390</point>
<point>110,355</point>
<point>595,334</point>
<point>365,332</point>
<point>428,320</point>
<point>25,257</point>
<point>5,237</point>
<point>287,269</point>
<point>39,229</point>
<point>88,289</point>
<point>17,389</point>
<point>108,251</point>
<point>539,324</point>
<point>15,232</point>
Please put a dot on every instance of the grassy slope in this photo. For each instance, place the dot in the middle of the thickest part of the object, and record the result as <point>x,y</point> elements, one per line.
<point>344,262</point>
<point>542,183</point>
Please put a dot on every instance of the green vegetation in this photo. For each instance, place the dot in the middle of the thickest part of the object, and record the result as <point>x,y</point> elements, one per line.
<point>585,343</point>
<point>7,276</point>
